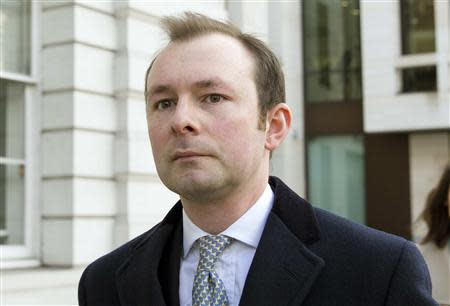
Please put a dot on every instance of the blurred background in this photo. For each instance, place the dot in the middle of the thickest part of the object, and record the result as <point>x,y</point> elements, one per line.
<point>368,83</point>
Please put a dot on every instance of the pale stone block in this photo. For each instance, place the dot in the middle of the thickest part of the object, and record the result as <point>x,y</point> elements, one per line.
<point>57,197</point>
<point>94,28</point>
<point>215,9</point>
<point>79,153</point>
<point>40,286</point>
<point>57,110</point>
<point>140,155</point>
<point>58,71</point>
<point>132,69</point>
<point>380,79</point>
<point>57,154</point>
<point>58,25</point>
<point>78,197</point>
<point>95,112</point>
<point>93,69</point>
<point>149,198</point>
<point>141,225</point>
<point>380,48</point>
<point>93,237</point>
<point>132,115</point>
<point>142,37</point>
<point>94,197</point>
<point>137,69</point>
<point>78,109</point>
<point>104,6</point>
<point>93,154</point>
<point>141,204</point>
<point>121,73</point>
<point>50,4</point>
<point>57,242</point>
<point>255,19</point>
<point>418,111</point>
<point>132,146</point>
<point>133,154</point>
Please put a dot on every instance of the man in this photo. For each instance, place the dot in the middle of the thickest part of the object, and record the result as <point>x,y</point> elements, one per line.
<point>215,112</point>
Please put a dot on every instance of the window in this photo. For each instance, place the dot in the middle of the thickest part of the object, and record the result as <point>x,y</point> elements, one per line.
<point>336,175</point>
<point>419,79</point>
<point>333,109</point>
<point>332,58</point>
<point>418,39</point>
<point>417,26</point>
<point>18,134</point>
<point>12,163</point>
<point>15,17</point>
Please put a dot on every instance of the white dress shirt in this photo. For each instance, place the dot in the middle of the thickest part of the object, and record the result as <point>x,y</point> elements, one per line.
<point>234,263</point>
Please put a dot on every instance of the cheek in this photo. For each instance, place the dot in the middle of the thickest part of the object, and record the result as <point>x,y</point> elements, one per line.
<point>156,141</point>
<point>239,138</point>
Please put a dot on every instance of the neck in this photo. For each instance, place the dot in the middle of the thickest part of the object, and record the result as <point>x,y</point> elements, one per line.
<point>217,215</point>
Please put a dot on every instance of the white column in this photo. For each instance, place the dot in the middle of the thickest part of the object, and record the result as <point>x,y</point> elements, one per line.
<point>78,128</point>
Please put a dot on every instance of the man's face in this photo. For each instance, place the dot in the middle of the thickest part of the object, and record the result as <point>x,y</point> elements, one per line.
<point>202,116</point>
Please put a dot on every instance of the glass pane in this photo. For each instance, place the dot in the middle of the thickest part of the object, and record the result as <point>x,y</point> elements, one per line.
<point>12,204</point>
<point>419,79</point>
<point>336,175</point>
<point>15,23</point>
<point>417,26</point>
<point>12,123</point>
<point>332,52</point>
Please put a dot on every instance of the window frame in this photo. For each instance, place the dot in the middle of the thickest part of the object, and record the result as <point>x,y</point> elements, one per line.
<point>415,60</point>
<point>27,254</point>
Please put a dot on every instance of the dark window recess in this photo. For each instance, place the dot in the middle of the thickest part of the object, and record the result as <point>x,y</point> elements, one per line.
<point>419,79</point>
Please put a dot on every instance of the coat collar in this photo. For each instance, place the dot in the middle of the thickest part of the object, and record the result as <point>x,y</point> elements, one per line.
<point>153,264</point>
<point>283,269</point>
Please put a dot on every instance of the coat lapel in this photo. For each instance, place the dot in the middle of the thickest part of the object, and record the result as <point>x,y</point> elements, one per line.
<point>139,279</point>
<point>282,272</point>
<point>284,269</point>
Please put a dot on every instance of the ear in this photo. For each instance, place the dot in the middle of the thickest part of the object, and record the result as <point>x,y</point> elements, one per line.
<point>278,123</point>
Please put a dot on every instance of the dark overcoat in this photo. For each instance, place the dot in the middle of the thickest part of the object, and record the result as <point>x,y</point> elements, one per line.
<point>306,256</point>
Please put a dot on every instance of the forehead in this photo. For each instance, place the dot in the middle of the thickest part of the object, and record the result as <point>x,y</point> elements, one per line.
<point>207,56</point>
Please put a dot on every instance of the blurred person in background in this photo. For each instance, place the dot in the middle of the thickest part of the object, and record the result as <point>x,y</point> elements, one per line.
<point>436,244</point>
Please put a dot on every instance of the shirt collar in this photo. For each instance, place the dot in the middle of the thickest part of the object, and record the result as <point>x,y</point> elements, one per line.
<point>248,228</point>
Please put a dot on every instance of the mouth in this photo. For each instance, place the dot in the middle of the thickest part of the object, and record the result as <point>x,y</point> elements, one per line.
<point>187,155</point>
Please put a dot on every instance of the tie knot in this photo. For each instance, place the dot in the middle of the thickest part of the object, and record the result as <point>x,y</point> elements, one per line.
<point>211,247</point>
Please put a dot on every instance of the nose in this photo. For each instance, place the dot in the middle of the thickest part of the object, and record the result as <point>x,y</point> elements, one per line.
<point>185,117</point>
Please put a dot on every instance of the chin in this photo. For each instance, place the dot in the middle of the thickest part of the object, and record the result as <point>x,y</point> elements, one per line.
<point>195,186</point>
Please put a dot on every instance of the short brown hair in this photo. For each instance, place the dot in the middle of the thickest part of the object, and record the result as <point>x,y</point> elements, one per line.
<point>269,78</point>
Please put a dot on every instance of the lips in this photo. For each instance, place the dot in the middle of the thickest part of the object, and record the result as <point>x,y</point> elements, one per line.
<point>186,155</point>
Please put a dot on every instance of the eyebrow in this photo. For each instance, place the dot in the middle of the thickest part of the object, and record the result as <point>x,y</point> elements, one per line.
<point>214,83</point>
<point>208,83</point>
<point>158,89</point>
<point>202,84</point>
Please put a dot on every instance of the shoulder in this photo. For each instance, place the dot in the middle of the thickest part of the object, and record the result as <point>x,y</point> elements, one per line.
<point>105,266</point>
<point>356,240</point>
<point>334,227</point>
<point>382,255</point>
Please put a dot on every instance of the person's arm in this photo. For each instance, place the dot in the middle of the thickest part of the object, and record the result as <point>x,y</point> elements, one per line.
<point>410,283</point>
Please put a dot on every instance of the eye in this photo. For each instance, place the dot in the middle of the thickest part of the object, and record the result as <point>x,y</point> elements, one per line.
<point>164,104</point>
<point>214,98</point>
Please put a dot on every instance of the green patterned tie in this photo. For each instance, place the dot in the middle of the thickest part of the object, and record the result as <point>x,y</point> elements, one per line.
<point>208,288</point>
